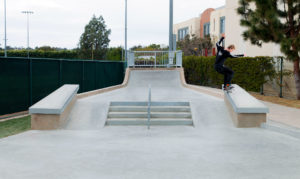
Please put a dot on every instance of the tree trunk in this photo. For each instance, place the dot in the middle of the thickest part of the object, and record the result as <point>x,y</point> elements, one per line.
<point>297,77</point>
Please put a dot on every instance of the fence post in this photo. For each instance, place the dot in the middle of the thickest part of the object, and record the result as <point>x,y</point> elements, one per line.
<point>30,82</point>
<point>155,61</point>
<point>262,86</point>
<point>96,75</point>
<point>82,88</point>
<point>60,73</point>
<point>281,77</point>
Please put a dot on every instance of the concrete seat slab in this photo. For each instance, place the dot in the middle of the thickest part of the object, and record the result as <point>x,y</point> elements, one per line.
<point>56,102</point>
<point>243,102</point>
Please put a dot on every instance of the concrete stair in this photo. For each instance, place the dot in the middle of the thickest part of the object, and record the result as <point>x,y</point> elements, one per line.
<point>161,113</point>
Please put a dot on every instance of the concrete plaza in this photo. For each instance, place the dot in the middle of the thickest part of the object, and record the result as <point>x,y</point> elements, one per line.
<point>212,148</point>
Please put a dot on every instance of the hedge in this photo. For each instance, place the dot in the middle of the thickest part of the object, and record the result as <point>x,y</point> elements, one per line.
<point>63,54</point>
<point>250,72</point>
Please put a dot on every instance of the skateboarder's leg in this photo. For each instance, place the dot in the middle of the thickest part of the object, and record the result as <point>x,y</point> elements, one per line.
<point>228,75</point>
<point>225,79</point>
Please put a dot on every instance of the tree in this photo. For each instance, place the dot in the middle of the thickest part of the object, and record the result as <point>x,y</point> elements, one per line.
<point>276,21</point>
<point>114,53</point>
<point>49,48</point>
<point>94,41</point>
<point>151,47</point>
<point>136,47</point>
<point>195,45</point>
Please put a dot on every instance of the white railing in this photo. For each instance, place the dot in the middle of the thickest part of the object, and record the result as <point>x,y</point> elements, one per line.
<point>154,59</point>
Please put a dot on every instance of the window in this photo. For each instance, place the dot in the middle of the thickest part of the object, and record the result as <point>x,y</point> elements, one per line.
<point>206,29</point>
<point>222,25</point>
<point>182,33</point>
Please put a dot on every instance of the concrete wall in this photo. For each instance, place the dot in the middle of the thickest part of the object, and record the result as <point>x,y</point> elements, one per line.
<point>193,25</point>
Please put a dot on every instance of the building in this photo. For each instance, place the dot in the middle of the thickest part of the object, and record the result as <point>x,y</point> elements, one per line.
<point>205,22</point>
<point>234,35</point>
<point>215,22</point>
<point>189,27</point>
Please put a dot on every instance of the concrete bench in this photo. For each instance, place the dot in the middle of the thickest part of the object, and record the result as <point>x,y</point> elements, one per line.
<point>245,110</point>
<point>52,111</point>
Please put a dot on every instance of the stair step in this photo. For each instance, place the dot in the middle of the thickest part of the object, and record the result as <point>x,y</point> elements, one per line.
<point>145,115</point>
<point>153,121</point>
<point>152,103</point>
<point>171,115</point>
<point>162,113</point>
<point>153,109</point>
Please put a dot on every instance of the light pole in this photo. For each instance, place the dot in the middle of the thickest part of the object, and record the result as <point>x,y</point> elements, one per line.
<point>171,27</point>
<point>27,13</point>
<point>5,38</point>
<point>171,37</point>
<point>126,60</point>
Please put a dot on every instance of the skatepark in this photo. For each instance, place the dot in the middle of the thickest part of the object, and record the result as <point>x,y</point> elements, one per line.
<point>209,147</point>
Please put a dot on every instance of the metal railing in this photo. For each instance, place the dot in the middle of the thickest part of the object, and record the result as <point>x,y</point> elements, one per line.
<point>155,59</point>
<point>149,107</point>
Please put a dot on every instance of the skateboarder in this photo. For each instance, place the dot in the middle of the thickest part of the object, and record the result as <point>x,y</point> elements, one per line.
<point>222,55</point>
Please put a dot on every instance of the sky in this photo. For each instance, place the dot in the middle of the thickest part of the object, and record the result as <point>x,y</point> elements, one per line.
<point>60,23</point>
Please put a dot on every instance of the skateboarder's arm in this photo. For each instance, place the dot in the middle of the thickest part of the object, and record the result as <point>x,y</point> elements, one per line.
<point>236,56</point>
<point>218,44</point>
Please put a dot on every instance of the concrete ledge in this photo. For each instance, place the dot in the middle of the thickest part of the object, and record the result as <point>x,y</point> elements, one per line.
<point>243,102</point>
<point>52,112</point>
<point>245,110</point>
<point>56,102</point>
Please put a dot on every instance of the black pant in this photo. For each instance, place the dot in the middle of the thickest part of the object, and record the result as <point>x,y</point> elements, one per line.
<point>227,72</point>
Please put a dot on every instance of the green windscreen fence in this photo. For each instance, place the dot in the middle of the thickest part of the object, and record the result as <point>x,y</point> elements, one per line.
<point>24,81</point>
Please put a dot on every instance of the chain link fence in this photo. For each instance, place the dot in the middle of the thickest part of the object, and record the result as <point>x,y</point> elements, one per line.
<point>283,85</point>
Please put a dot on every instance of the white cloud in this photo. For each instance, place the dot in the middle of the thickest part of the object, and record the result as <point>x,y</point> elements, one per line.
<point>61,22</point>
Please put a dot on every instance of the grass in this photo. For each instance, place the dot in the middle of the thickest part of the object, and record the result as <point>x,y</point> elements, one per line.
<point>15,126</point>
<point>277,100</point>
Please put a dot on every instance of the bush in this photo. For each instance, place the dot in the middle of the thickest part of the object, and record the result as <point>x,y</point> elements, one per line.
<point>114,54</point>
<point>63,54</point>
<point>250,72</point>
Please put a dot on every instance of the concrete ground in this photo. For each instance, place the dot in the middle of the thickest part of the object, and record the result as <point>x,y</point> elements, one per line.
<point>278,113</point>
<point>213,148</point>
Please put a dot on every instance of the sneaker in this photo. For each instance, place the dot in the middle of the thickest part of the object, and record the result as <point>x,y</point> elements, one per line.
<point>228,88</point>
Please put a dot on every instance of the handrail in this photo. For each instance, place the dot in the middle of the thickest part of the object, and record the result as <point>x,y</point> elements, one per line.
<point>155,59</point>
<point>149,107</point>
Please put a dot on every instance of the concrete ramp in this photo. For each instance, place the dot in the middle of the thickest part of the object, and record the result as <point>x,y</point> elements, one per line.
<point>157,79</point>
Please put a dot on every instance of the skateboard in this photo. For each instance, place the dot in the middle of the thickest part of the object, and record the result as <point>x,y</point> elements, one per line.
<point>229,89</point>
